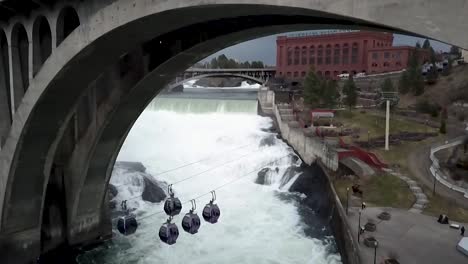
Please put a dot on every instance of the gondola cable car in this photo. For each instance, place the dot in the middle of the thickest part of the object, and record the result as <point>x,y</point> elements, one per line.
<point>172,205</point>
<point>211,212</point>
<point>127,224</point>
<point>168,232</point>
<point>191,221</point>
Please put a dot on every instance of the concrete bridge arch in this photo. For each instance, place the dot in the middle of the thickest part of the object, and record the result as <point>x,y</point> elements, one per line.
<point>69,125</point>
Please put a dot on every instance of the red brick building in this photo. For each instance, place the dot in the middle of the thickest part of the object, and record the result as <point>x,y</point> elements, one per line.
<point>333,53</point>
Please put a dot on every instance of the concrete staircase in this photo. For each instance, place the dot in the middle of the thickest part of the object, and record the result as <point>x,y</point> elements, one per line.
<point>421,198</point>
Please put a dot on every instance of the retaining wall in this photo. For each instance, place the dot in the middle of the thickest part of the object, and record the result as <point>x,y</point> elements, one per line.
<point>310,148</point>
<point>348,246</point>
<point>438,173</point>
<point>313,150</point>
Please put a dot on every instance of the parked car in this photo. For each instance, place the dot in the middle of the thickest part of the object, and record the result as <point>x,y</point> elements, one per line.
<point>343,76</point>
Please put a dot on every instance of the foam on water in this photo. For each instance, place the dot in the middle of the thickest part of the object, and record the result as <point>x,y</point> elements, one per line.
<point>255,225</point>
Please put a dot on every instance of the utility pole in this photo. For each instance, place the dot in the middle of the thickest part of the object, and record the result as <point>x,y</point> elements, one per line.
<point>387,125</point>
<point>359,226</point>
<point>347,200</point>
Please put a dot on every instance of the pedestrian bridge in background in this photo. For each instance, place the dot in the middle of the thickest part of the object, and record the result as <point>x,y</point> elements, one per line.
<point>260,76</point>
<point>76,74</point>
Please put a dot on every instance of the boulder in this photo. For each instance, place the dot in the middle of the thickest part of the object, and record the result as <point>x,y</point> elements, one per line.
<point>289,174</point>
<point>261,176</point>
<point>178,89</point>
<point>268,141</point>
<point>112,191</point>
<point>131,166</point>
<point>151,190</point>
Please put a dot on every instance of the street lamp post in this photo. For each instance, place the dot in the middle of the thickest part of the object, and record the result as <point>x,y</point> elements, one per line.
<point>435,180</point>
<point>368,140</point>
<point>359,226</point>
<point>387,126</point>
<point>376,244</point>
<point>347,201</point>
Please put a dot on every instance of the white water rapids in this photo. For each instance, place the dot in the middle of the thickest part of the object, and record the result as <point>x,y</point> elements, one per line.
<point>255,226</point>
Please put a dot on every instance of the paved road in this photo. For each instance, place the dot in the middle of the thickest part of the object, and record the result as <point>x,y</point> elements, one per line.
<point>419,163</point>
<point>416,238</point>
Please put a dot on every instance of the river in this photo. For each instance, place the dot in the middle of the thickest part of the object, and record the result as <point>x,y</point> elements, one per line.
<point>222,145</point>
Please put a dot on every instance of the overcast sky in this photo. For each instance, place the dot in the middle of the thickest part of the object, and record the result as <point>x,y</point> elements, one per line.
<point>264,49</point>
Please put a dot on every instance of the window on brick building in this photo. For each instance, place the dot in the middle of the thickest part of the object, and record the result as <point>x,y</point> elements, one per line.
<point>303,74</point>
<point>345,59</point>
<point>289,56</point>
<point>336,55</point>
<point>335,73</point>
<point>387,55</point>
<point>354,53</point>
<point>327,74</point>
<point>296,74</point>
<point>328,52</point>
<point>288,74</point>
<point>296,55</point>
<point>374,65</point>
<point>386,64</point>
<point>319,73</point>
<point>304,56</point>
<point>398,63</point>
<point>375,55</point>
<point>320,55</point>
<point>312,55</point>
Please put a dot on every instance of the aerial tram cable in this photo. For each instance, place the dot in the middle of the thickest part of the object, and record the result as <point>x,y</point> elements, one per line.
<point>169,233</point>
<point>202,172</point>
<point>211,156</point>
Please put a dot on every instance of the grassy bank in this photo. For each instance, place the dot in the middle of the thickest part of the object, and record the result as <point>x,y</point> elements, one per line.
<point>374,125</point>
<point>380,190</point>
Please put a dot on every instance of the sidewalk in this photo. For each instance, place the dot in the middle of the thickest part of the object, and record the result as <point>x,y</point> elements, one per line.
<point>415,238</point>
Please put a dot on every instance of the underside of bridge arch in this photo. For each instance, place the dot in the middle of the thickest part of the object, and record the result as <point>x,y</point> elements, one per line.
<point>5,96</point>
<point>67,21</point>
<point>42,41</point>
<point>20,62</point>
<point>89,95</point>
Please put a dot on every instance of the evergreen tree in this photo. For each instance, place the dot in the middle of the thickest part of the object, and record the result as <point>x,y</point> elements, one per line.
<point>222,61</point>
<point>443,126</point>
<point>418,45</point>
<point>387,86</point>
<point>350,92</point>
<point>455,51</point>
<point>313,89</point>
<point>432,75</point>
<point>330,93</point>
<point>426,44</point>
<point>415,79</point>
<point>417,83</point>
<point>403,84</point>
<point>257,64</point>
<point>214,63</point>
<point>433,56</point>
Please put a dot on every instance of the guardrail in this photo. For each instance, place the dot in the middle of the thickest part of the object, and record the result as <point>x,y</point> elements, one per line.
<point>435,167</point>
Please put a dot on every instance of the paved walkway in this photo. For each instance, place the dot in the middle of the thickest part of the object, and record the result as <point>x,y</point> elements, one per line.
<point>421,198</point>
<point>415,238</point>
<point>419,164</point>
